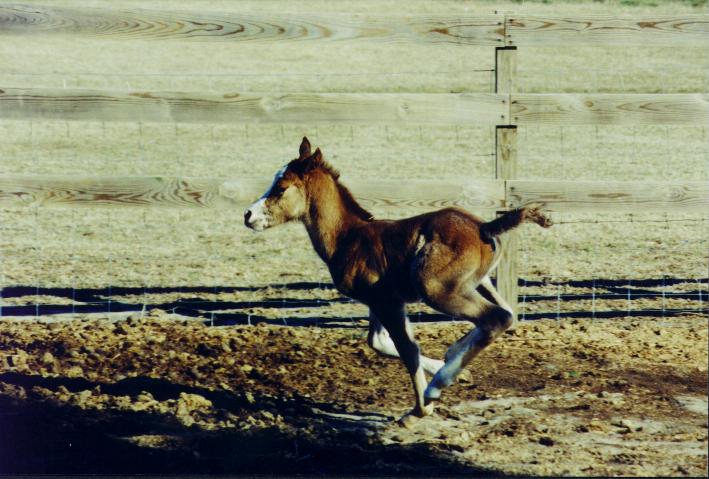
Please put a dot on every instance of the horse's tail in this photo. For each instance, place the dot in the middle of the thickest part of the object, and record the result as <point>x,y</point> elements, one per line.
<point>512,219</point>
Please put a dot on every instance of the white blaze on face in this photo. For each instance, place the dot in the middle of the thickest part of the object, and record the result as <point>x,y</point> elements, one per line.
<point>256,216</point>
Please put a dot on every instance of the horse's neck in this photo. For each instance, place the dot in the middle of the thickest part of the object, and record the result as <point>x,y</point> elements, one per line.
<point>328,219</point>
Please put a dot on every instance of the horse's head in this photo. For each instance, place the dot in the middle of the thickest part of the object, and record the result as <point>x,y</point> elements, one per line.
<point>286,199</point>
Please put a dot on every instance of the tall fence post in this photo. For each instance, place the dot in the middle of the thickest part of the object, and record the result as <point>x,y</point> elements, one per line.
<point>506,169</point>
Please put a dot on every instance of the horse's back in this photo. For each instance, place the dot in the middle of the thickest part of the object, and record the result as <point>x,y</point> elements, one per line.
<point>454,227</point>
<point>387,252</point>
<point>452,250</point>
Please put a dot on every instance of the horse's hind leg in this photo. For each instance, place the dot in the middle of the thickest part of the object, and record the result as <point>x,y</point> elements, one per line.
<point>491,294</point>
<point>380,340</point>
<point>490,319</point>
<point>394,320</point>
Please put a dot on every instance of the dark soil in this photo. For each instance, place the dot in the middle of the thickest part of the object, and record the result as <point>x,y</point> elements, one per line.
<point>163,395</point>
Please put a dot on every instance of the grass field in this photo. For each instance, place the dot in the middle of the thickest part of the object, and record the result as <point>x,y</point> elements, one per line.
<point>100,248</point>
<point>204,263</point>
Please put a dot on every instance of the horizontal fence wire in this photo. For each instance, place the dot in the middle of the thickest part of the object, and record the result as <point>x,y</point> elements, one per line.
<point>38,301</point>
<point>253,74</point>
<point>621,291</point>
<point>483,80</point>
<point>599,80</point>
<point>299,311</point>
<point>632,220</point>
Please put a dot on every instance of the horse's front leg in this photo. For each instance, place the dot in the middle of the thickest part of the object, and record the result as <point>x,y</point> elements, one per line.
<point>393,317</point>
<point>380,340</point>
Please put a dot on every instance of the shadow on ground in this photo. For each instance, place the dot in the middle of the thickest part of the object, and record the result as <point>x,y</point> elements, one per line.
<point>42,437</point>
<point>217,313</point>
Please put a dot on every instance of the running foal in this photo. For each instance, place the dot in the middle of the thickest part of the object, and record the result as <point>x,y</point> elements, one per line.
<point>442,258</point>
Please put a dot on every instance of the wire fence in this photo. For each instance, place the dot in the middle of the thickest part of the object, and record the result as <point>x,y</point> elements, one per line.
<point>439,81</point>
<point>529,77</point>
<point>599,299</point>
<point>91,263</point>
<point>97,262</point>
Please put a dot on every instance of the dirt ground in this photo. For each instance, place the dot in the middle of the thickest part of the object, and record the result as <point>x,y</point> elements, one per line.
<point>164,394</point>
<point>107,364</point>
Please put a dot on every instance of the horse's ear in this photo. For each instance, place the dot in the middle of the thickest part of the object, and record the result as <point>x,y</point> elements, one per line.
<point>305,165</point>
<point>304,148</point>
<point>317,156</point>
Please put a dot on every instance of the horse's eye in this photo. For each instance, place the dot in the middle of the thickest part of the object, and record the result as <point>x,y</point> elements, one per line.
<point>277,191</point>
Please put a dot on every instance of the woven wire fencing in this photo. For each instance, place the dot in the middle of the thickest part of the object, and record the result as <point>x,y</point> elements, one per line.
<point>204,264</point>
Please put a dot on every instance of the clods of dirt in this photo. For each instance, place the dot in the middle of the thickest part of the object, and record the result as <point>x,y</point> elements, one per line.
<point>162,394</point>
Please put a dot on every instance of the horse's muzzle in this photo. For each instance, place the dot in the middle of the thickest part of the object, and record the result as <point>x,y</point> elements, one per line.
<point>255,218</point>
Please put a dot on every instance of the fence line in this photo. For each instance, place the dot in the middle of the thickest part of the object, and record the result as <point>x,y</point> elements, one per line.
<point>455,108</point>
<point>231,27</point>
<point>201,260</point>
<point>533,30</point>
<point>490,30</point>
<point>259,75</point>
<point>505,109</point>
<point>421,108</point>
<point>36,301</point>
<point>632,220</point>
<point>221,193</point>
<point>483,195</point>
<point>610,108</point>
<point>563,196</point>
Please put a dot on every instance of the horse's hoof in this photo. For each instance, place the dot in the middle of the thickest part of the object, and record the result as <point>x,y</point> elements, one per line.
<point>413,416</point>
<point>408,420</point>
<point>465,376</point>
<point>431,394</point>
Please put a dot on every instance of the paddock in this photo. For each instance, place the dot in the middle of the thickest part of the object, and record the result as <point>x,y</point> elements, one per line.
<point>144,323</point>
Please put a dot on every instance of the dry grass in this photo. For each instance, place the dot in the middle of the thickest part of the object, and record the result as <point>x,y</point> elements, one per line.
<point>133,247</point>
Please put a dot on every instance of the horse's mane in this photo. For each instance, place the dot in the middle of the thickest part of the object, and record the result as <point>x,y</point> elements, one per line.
<point>347,197</point>
<point>308,162</point>
<point>352,204</point>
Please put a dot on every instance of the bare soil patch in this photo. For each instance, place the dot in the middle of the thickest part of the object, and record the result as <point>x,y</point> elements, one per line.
<point>167,394</point>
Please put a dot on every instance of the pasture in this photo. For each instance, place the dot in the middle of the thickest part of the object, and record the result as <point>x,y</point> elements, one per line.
<point>176,336</point>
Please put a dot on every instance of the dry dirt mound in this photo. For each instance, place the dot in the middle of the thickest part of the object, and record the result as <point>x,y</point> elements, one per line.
<point>161,395</point>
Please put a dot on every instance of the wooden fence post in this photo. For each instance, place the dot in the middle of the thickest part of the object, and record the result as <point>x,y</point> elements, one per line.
<point>506,169</point>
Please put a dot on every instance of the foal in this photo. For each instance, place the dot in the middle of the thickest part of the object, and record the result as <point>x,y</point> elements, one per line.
<point>442,258</point>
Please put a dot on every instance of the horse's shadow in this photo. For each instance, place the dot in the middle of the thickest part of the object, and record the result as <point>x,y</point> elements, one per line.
<point>45,437</point>
<point>96,300</point>
<point>223,313</point>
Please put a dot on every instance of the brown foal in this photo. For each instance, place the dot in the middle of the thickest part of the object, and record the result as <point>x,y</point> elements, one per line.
<point>442,258</point>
